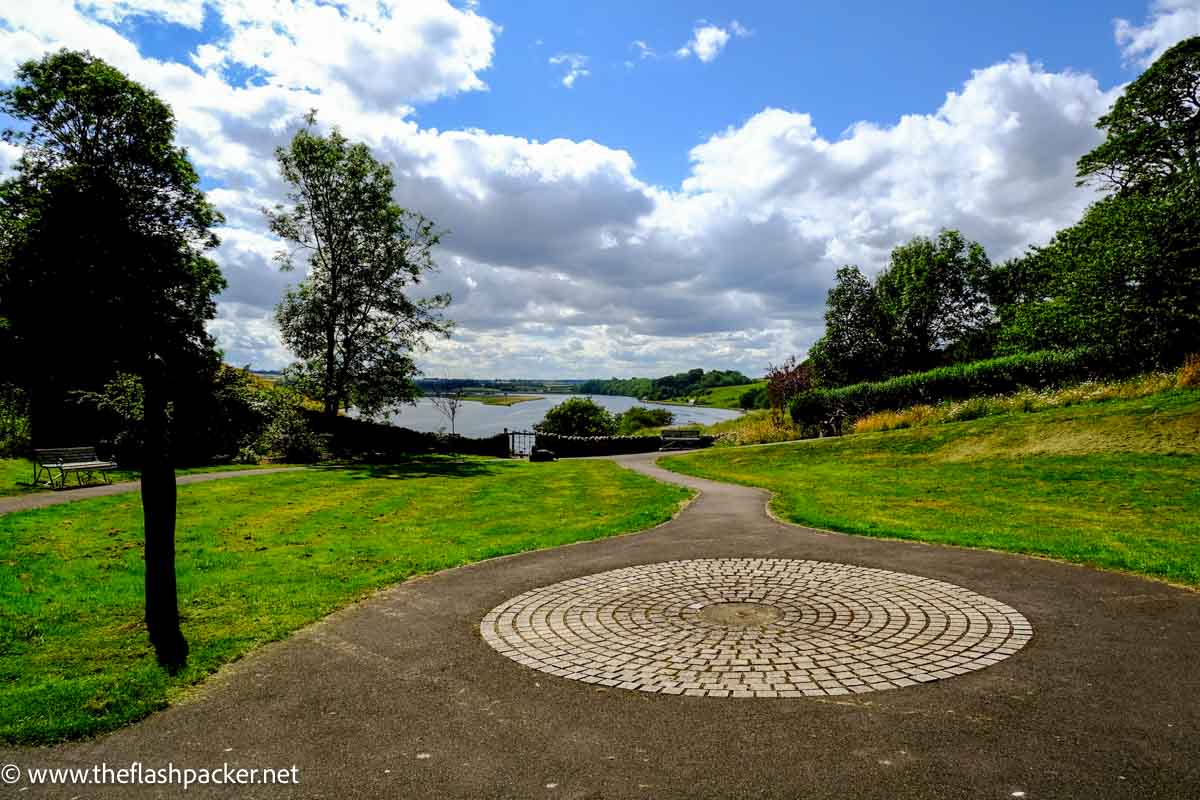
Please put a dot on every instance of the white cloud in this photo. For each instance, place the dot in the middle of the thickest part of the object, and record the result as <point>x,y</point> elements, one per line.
<point>560,259</point>
<point>644,50</point>
<point>1170,21</point>
<point>709,40</point>
<point>188,13</point>
<point>576,64</point>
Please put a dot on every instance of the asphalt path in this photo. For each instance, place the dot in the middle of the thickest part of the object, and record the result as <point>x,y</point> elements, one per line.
<point>71,494</point>
<point>399,697</point>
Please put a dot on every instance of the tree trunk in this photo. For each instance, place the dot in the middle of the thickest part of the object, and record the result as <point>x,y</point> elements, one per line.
<point>331,390</point>
<point>158,512</point>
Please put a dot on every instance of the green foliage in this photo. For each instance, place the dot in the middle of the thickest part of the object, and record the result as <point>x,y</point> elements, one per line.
<point>1126,276</point>
<point>578,416</point>
<point>1152,141</point>
<point>14,421</point>
<point>830,408</point>
<point>755,397</point>
<point>927,307</point>
<point>350,321</point>
<point>639,417</point>
<point>857,332</point>
<point>668,387</point>
<point>104,222</point>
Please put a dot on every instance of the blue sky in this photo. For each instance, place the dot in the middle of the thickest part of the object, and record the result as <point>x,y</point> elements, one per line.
<point>841,62</point>
<point>632,187</point>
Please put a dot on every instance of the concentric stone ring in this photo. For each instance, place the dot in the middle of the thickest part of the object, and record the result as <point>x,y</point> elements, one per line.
<point>754,628</point>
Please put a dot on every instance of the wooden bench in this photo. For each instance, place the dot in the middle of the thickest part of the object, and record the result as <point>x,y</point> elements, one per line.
<point>80,460</point>
<point>680,439</point>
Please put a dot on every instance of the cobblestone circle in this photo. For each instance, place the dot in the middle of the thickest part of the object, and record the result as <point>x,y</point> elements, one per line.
<point>754,628</point>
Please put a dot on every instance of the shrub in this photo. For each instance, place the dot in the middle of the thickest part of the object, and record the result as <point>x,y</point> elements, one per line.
<point>1188,376</point>
<point>758,397</point>
<point>757,427</point>
<point>14,421</point>
<point>578,416</point>
<point>1047,369</point>
<point>1023,401</point>
<point>639,417</point>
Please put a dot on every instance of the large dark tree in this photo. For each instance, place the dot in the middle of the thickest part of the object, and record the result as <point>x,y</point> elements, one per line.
<point>351,321</point>
<point>1153,130</point>
<point>1126,277</point>
<point>858,335</point>
<point>102,235</point>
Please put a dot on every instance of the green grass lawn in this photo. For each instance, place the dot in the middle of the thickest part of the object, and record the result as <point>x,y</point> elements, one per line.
<point>259,558</point>
<point>1114,485</point>
<point>16,475</point>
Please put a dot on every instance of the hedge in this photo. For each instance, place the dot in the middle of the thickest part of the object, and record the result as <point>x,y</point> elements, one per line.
<point>1041,370</point>
<point>348,437</point>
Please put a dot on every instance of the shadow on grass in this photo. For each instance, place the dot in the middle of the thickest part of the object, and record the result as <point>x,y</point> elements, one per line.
<point>423,467</point>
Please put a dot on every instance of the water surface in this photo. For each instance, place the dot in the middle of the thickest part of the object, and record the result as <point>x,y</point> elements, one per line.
<point>479,419</point>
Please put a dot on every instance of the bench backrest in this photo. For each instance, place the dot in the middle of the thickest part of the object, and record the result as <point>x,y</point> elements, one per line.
<point>67,455</point>
<point>685,433</point>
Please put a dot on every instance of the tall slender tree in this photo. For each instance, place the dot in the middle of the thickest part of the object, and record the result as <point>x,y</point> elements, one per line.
<point>351,321</point>
<point>103,231</point>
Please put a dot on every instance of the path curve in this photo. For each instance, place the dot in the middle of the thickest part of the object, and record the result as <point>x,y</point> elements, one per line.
<point>53,498</point>
<point>398,696</point>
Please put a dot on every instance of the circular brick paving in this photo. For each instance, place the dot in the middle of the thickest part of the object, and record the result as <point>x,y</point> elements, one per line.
<point>754,628</point>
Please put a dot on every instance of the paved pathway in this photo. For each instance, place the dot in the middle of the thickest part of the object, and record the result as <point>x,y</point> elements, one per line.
<point>400,696</point>
<point>53,498</point>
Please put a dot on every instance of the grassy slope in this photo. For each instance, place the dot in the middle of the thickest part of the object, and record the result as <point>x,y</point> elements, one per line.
<point>1114,485</point>
<point>16,474</point>
<point>720,397</point>
<point>258,559</point>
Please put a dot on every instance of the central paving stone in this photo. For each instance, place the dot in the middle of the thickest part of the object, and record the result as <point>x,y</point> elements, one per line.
<point>740,614</point>
<point>754,628</point>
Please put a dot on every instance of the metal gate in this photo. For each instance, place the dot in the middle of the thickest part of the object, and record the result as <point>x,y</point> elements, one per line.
<point>520,443</point>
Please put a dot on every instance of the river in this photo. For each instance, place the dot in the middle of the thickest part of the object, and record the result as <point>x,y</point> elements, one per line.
<point>479,419</point>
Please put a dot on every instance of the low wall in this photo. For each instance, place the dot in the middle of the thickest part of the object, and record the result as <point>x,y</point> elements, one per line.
<point>578,446</point>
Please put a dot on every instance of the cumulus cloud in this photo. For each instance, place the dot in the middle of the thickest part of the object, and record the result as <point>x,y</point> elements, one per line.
<point>709,40</point>
<point>576,66</point>
<point>188,13</point>
<point>561,260</point>
<point>1170,21</point>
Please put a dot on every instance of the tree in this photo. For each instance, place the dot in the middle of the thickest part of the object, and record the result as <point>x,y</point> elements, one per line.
<point>1153,130</point>
<point>1125,278</point>
<point>933,294</point>
<point>578,416</point>
<point>857,340</point>
<point>785,382</point>
<point>447,401</point>
<point>349,321</point>
<point>105,224</point>
<point>928,306</point>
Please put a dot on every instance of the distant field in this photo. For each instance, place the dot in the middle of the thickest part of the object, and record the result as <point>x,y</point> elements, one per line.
<point>720,397</point>
<point>502,400</point>
<point>259,558</point>
<point>1111,484</point>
